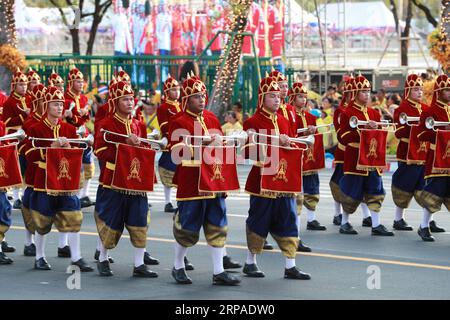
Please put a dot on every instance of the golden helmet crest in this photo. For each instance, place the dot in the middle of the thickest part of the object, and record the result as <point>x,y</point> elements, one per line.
<point>33,75</point>
<point>19,77</point>
<point>75,74</point>
<point>278,76</point>
<point>170,83</point>
<point>53,94</point>
<point>55,78</point>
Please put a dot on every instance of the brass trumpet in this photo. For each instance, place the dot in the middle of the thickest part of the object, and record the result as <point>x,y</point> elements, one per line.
<point>309,140</point>
<point>403,118</point>
<point>18,135</point>
<point>86,141</point>
<point>430,123</point>
<point>315,127</point>
<point>354,122</point>
<point>156,145</point>
<point>235,137</point>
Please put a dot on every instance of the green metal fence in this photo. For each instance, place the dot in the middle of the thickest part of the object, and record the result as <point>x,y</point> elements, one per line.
<point>146,71</point>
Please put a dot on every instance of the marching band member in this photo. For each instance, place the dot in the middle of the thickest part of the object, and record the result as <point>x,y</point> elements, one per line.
<point>311,183</point>
<point>76,112</point>
<point>437,179</point>
<point>358,185</point>
<point>59,207</point>
<point>115,208</point>
<point>274,214</point>
<point>194,208</point>
<point>33,80</point>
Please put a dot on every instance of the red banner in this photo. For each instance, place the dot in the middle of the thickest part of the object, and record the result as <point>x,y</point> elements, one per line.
<point>314,156</point>
<point>441,162</point>
<point>135,169</point>
<point>9,167</point>
<point>63,168</point>
<point>218,172</point>
<point>417,150</point>
<point>372,150</point>
<point>282,171</point>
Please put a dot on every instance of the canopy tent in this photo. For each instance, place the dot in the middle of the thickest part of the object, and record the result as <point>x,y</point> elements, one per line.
<point>296,14</point>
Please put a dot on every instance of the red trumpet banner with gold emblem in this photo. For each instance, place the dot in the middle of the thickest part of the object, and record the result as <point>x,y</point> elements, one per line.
<point>63,168</point>
<point>417,150</point>
<point>372,149</point>
<point>441,162</point>
<point>218,172</point>
<point>134,169</point>
<point>314,156</point>
<point>9,167</point>
<point>282,171</point>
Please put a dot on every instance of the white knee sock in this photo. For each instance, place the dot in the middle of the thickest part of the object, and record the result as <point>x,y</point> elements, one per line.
<point>40,245</point>
<point>345,218</point>
<point>16,194</point>
<point>167,194</point>
<point>139,256</point>
<point>28,238</point>
<point>99,244</point>
<point>290,263</point>
<point>311,215</point>
<point>85,190</point>
<point>251,258</point>
<point>217,258</point>
<point>180,252</point>
<point>337,208</point>
<point>224,251</point>
<point>399,213</point>
<point>365,210</point>
<point>426,218</point>
<point>62,239</point>
<point>74,244</point>
<point>298,224</point>
<point>103,252</point>
<point>375,219</point>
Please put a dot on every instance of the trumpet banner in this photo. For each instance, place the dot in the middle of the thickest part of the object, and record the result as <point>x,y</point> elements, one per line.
<point>441,161</point>
<point>10,175</point>
<point>314,156</point>
<point>63,168</point>
<point>372,150</point>
<point>134,169</point>
<point>417,150</point>
<point>282,171</point>
<point>218,172</point>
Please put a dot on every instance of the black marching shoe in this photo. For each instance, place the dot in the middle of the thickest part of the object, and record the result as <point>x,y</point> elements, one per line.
<point>7,248</point>
<point>302,247</point>
<point>188,265</point>
<point>104,269</point>
<point>229,263</point>
<point>433,228</point>
<point>252,271</point>
<point>267,246</point>
<point>347,229</point>
<point>42,264</point>
<point>86,202</point>
<point>64,252</point>
<point>4,259</point>
<point>97,255</point>
<point>401,225</point>
<point>149,260</point>
<point>337,220</point>
<point>17,204</point>
<point>381,231</point>
<point>367,222</point>
<point>180,276</point>
<point>83,265</point>
<point>294,273</point>
<point>225,279</point>
<point>315,225</point>
<point>169,208</point>
<point>30,250</point>
<point>144,272</point>
<point>425,234</point>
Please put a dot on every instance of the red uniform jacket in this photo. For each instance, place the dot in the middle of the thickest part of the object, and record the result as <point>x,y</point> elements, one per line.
<point>80,102</point>
<point>288,111</point>
<point>31,121</point>
<point>340,149</point>
<point>403,132</point>
<point>350,137</point>
<point>165,113</point>
<point>187,172</point>
<point>263,122</point>
<point>44,129</point>
<point>439,112</point>
<point>106,151</point>
<point>14,113</point>
<point>303,120</point>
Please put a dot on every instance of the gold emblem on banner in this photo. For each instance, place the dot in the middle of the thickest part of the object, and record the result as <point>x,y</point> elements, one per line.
<point>135,168</point>
<point>310,155</point>
<point>447,151</point>
<point>282,169</point>
<point>3,173</point>
<point>422,147</point>
<point>373,148</point>
<point>217,171</point>
<point>63,169</point>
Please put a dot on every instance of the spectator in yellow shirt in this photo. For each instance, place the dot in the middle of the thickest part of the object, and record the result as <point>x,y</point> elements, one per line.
<point>231,123</point>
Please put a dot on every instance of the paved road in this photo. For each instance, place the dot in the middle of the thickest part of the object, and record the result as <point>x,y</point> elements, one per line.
<point>342,266</point>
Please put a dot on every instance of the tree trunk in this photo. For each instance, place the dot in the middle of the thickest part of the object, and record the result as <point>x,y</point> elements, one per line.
<point>75,41</point>
<point>445,22</point>
<point>90,44</point>
<point>404,43</point>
